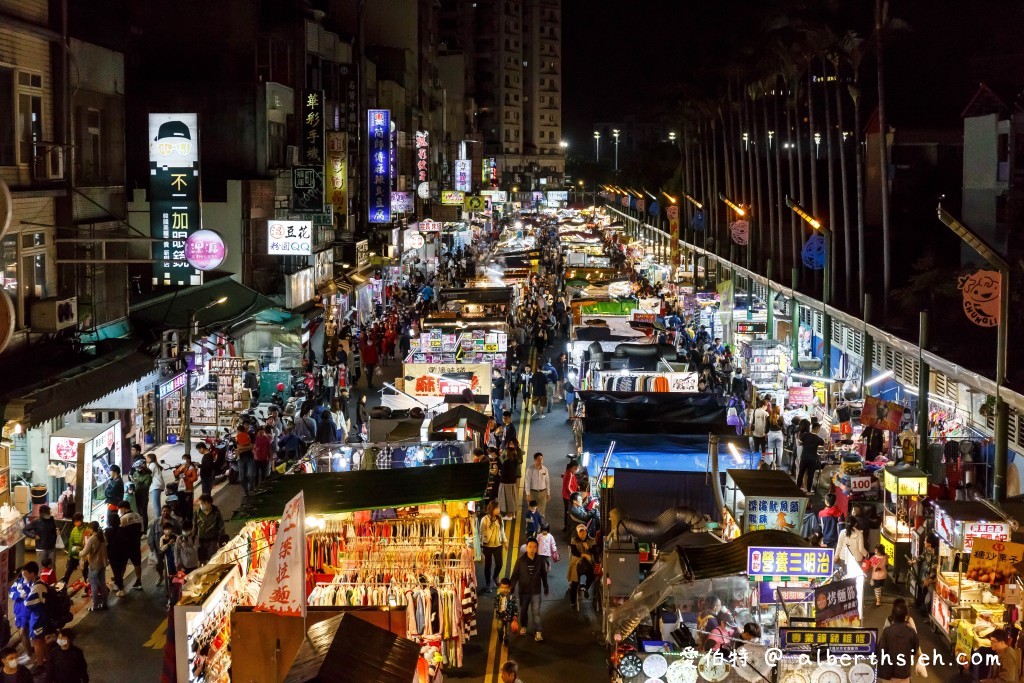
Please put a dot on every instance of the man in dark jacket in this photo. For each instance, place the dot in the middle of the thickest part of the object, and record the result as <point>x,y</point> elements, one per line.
<point>44,530</point>
<point>130,535</point>
<point>529,576</point>
<point>113,492</point>
<point>897,646</point>
<point>66,663</point>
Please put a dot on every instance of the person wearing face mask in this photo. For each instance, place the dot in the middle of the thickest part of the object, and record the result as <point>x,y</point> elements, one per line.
<point>12,672</point>
<point>94,553</point>
<point>66,663</point>
<point>209,528</point>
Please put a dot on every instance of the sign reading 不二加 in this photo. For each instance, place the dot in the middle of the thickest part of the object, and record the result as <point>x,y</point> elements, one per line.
<point>379,140</point>
<point>788,564</point>
<point>174,209</point>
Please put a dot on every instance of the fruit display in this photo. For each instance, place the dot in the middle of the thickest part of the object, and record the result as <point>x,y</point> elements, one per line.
<point>995,577</point>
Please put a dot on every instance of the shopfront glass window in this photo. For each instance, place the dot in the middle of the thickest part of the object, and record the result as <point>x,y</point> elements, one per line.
<point>9,262</point>
<point>33,270</point>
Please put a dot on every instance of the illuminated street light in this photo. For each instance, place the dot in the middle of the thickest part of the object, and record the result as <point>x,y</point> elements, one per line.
<point>740,211</point>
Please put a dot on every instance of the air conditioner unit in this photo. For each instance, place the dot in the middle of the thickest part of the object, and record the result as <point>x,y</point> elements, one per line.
<point>292,153</point>
<point>49,163</point>
<point>53,315</point>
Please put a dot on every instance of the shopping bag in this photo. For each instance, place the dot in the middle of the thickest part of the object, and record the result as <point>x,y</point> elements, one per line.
<point>555,556</point>
<point>514,625</point>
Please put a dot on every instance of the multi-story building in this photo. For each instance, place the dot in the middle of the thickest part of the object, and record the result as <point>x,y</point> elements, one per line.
<point>512,52</point>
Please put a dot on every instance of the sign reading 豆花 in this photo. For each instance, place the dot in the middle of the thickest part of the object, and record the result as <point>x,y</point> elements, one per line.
<point>289,238</point>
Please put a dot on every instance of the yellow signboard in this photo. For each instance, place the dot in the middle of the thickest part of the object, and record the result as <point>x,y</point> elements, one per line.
<point>890,550</point>
<point>907,486</point>
<point>964,639</point>
<point>452,197</point>
<point>474,203</point>
<point>993,561</point>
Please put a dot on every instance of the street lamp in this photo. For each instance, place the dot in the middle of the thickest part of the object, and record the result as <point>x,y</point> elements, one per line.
<point>597,146</point>
<point>671,136</point>
<point>994,259</point>
<point>615,134</point>
<point>826,287</point>
<point>564,144</point>
<point>186,413</point>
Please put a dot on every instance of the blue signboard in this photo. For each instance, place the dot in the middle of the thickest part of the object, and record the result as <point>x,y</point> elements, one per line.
<point>839,641</point>
<point>779,514</point>
<point>770,593</point>
<point>379,136</point>
<point>788,564</point>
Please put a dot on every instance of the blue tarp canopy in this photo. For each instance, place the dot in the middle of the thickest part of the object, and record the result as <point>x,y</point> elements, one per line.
<point>666,452</point>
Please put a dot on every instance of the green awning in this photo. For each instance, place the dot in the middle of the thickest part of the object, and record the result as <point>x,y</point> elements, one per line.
<point>279,316</point>
<point>172,311</point>
<point>336,492</point>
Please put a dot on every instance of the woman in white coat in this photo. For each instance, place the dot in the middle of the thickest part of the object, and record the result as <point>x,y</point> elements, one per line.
<point>852,538</point>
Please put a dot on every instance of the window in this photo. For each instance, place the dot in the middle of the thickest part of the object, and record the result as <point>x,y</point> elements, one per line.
<point>25,269</point>
<point>89,139</point>
<point>7,117</point>
<point>30,114</point>
<point>277,144</point>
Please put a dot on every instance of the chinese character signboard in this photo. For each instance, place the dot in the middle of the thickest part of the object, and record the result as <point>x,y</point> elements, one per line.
<point>788,564</point>
<point>782,514</point>
<point>839,641</point>
<point>463,170</point>
<point>836,604</point>
<point>289,238</point>
<point>205,250</point>
<point>379,143</point>
<point>558,196</point>
<point>312,143</point>
<point>174,209</point>
<point>403,202</point>
<point>883,415</point>
<point>770,594</point>
<point>993,561</point>
<point>425,379</point>
<point>453,198</point>
<point>337,172</point>
<point>421,146</point>
<point>308,189</point>
<point>489,174</point>
<point>284,583</point>
<point>673,230</point>
<point>362,253</point>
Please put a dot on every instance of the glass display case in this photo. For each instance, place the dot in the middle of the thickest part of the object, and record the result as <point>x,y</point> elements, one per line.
<point>905,487</point>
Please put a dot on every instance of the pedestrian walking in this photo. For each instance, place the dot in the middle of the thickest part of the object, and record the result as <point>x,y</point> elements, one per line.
<point>898,646</point>
<point>44,531</point>
<point>497,393</point>
<point>13,672</point>
<point>246,459</point>
<point>506,611</point>
<point>493,541</point>
<point>530,577</point>
<point>850,539</point>
<point>207,471</point>
<point>510,672</point>
<point>66,662</point>
<point>141,479</point>
<point>879,573</point>
<point>539,390</point>
<point>510,467</point>
<point>156,487</point>
<point>186,549</point>
<point>581,563</point>
<point>569,487</point>
<point>130,539</point>
<point>39,622</point>
<point>538,483</point>
<point>187,475</point>
<point>209,528</point>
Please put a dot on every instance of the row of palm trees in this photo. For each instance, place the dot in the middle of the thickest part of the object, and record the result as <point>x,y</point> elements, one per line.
<point>788,117</point>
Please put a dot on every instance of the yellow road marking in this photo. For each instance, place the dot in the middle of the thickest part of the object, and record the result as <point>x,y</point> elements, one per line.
<point>512,552</point>
<point>158,640</point>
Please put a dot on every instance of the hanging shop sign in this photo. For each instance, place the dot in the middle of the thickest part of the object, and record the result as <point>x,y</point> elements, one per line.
<point>453,197</point>
<point>782,514</point>
<point>981,297</point>
<point>284,583</point>
<point>421,145</point>
<point>837,604</point>
<point>205,250</point>
<point>788,564</point>
<point>337,172</point>
<point>673,229</point>
<point>423,191</point>
<point>839,641</point>
<point>64,448</point>
<point>489,172</point>
<point>474,204</point>
<point>307,189</point>
<point>740,232</point>
<point>176,383</point>
<point>813,252</point>
<point>429,226</point>
<point>174,208</point>
<point>961,535</point>
<point>362,253</point>
<point>751,327</point>
<point>801,396</point>
<point>770,593</point>
<point>883,415</point>
<point>379,134</point>
<point>312,126</point>
<point>463,175</point>
<point>289,238</point>
<point>699,221</point>
<point>994,562</point>
<point>403,202</point>
<point>499,196</point>
<point>905,486</point>
<point>558,196</point>
<point>413,240</point>
<point>438,380</point>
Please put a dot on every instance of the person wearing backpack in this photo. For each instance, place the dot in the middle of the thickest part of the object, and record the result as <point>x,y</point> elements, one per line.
<point>39,623</point>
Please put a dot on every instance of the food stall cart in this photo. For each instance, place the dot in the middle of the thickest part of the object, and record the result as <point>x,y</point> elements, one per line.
<point>86,452</point>
<point>963,596</point>
<point>764,499</point>
<point>905,487</point>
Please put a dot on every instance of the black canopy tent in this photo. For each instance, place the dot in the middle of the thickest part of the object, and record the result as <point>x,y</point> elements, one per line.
<point>334,492</point>
<point>475,295</point>
<point>451,418</point>
<point>654,413</point>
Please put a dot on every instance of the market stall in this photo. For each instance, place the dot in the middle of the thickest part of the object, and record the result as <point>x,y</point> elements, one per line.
<point>82,455</point>
<point>764,499</point>
<point>905,488</point>
<point>963,598</point>
<point>377,541</point>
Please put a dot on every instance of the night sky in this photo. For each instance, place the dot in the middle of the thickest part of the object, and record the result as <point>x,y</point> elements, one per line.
<point>634,57</point>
